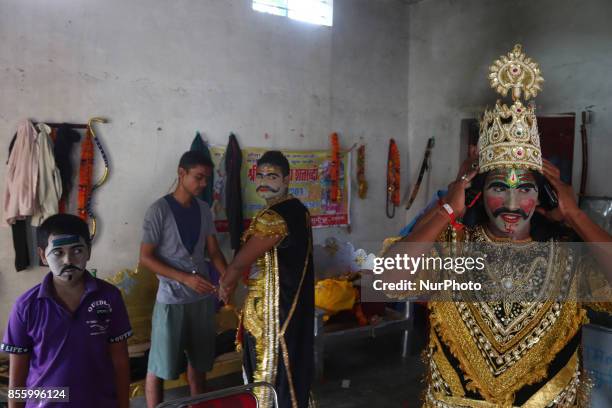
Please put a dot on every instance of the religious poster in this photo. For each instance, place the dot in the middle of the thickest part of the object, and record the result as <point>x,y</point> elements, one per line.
<point>310,183</point>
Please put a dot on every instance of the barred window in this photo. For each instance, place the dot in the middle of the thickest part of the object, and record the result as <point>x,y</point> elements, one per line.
<point>311,11</point>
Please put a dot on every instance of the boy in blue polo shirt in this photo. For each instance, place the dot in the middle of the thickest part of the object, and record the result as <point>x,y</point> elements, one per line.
<point>71,330</point>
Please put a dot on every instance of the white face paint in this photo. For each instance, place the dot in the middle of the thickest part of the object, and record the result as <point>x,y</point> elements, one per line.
<point>66,256</point>
<point>270,182</point>
<point>510,199</point>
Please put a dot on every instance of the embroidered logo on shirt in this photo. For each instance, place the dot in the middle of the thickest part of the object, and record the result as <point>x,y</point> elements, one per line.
<point>96,304</point>
<point>99,322</point>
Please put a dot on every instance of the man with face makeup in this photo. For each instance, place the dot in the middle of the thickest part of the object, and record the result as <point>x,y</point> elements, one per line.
<point>71,330</point>
<point>501,352</point>
<point>277,323</point>
<point>178,234</point>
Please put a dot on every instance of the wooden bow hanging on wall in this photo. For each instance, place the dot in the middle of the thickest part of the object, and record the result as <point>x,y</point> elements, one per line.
<point>102,179</point>
<point>86,185</point>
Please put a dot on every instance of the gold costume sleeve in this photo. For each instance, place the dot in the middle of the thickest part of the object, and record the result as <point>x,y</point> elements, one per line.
<point>268,224</point>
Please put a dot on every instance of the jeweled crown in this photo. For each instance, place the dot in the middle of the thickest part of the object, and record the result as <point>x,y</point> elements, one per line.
<point>509,136</point>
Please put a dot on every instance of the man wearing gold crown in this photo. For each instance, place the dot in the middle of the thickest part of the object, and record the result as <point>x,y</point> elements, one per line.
<point>507,354</point>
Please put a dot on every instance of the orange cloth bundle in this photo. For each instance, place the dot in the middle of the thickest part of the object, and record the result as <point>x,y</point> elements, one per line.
<point>335,295</point>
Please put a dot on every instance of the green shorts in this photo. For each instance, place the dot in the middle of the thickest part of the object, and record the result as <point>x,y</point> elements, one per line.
<point>182,333</point>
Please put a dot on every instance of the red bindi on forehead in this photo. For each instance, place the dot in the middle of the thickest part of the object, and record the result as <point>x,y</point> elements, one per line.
<point>524,176</point>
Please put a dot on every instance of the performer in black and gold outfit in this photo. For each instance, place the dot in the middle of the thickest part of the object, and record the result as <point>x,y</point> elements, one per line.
<point>277,322</point>
<point>508,353</point>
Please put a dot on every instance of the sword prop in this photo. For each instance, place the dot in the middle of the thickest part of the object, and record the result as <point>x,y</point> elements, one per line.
<point>425,165</point>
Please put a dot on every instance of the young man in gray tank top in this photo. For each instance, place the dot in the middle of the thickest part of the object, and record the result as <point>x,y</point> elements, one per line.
<point>178,229</point>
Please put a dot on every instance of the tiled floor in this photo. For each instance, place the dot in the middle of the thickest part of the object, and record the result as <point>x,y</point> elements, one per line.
<point>372,370</point>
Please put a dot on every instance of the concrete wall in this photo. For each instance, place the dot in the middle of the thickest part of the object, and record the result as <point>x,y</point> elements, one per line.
<point>161,70</point>
<point>452,44</point>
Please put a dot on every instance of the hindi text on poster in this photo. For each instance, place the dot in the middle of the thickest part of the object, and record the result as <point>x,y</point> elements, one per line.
<point>310,182</point>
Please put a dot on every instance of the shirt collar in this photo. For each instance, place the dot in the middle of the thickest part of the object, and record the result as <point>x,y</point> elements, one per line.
<point>46,289</point>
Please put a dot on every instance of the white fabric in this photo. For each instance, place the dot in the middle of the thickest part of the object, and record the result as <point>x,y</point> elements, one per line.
<point>21,175</point>
<point>49,179</point>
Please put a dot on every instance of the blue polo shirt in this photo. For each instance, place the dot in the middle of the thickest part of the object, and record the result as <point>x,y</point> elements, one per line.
<point>69,349</point>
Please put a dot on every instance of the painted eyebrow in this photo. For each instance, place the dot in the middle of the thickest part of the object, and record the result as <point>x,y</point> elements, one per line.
<point>71,239</point>
<point>71,247</point>
<point>501,184</point>
<point>497,184</point>
<point>527,184</point>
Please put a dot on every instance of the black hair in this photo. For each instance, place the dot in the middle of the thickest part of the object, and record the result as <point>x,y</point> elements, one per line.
<point>193,158</point>
<point>62,224</point>
<point>275,158</point>
<point>541,228</point>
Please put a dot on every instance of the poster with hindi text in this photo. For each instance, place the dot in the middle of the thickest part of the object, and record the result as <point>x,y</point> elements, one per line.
<point>310,182</point>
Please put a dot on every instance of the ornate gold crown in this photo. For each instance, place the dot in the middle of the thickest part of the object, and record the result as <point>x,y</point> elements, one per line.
<point>509,135</point>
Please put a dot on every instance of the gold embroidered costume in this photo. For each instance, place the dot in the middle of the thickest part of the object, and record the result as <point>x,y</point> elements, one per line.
<point>507,353</point>
<point>510,352</point>
<point>277,320</point>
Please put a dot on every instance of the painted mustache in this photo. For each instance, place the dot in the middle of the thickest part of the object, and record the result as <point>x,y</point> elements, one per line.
<point>267,188</point>
<point>68,267</point>
<point>504,210</point>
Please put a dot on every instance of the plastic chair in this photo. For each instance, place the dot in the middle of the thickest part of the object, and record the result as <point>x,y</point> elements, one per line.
<point>242,396</point>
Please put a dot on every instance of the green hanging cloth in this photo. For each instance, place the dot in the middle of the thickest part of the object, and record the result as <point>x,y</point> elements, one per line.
<point>199,145</point>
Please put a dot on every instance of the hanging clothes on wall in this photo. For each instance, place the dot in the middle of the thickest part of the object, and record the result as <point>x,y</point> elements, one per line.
<point>62,151</point>
<point>20,244</point>
<point>219,186</point>
<point>49,189</point>
<point>200,145</point>
<point>233,191</point>
<point>21,175</point>
<point>19,197</point>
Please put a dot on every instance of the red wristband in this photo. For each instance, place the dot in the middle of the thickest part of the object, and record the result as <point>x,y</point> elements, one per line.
<point>451,214</point>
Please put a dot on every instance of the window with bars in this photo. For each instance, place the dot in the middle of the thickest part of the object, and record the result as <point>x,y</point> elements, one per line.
<point>311,11</point>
